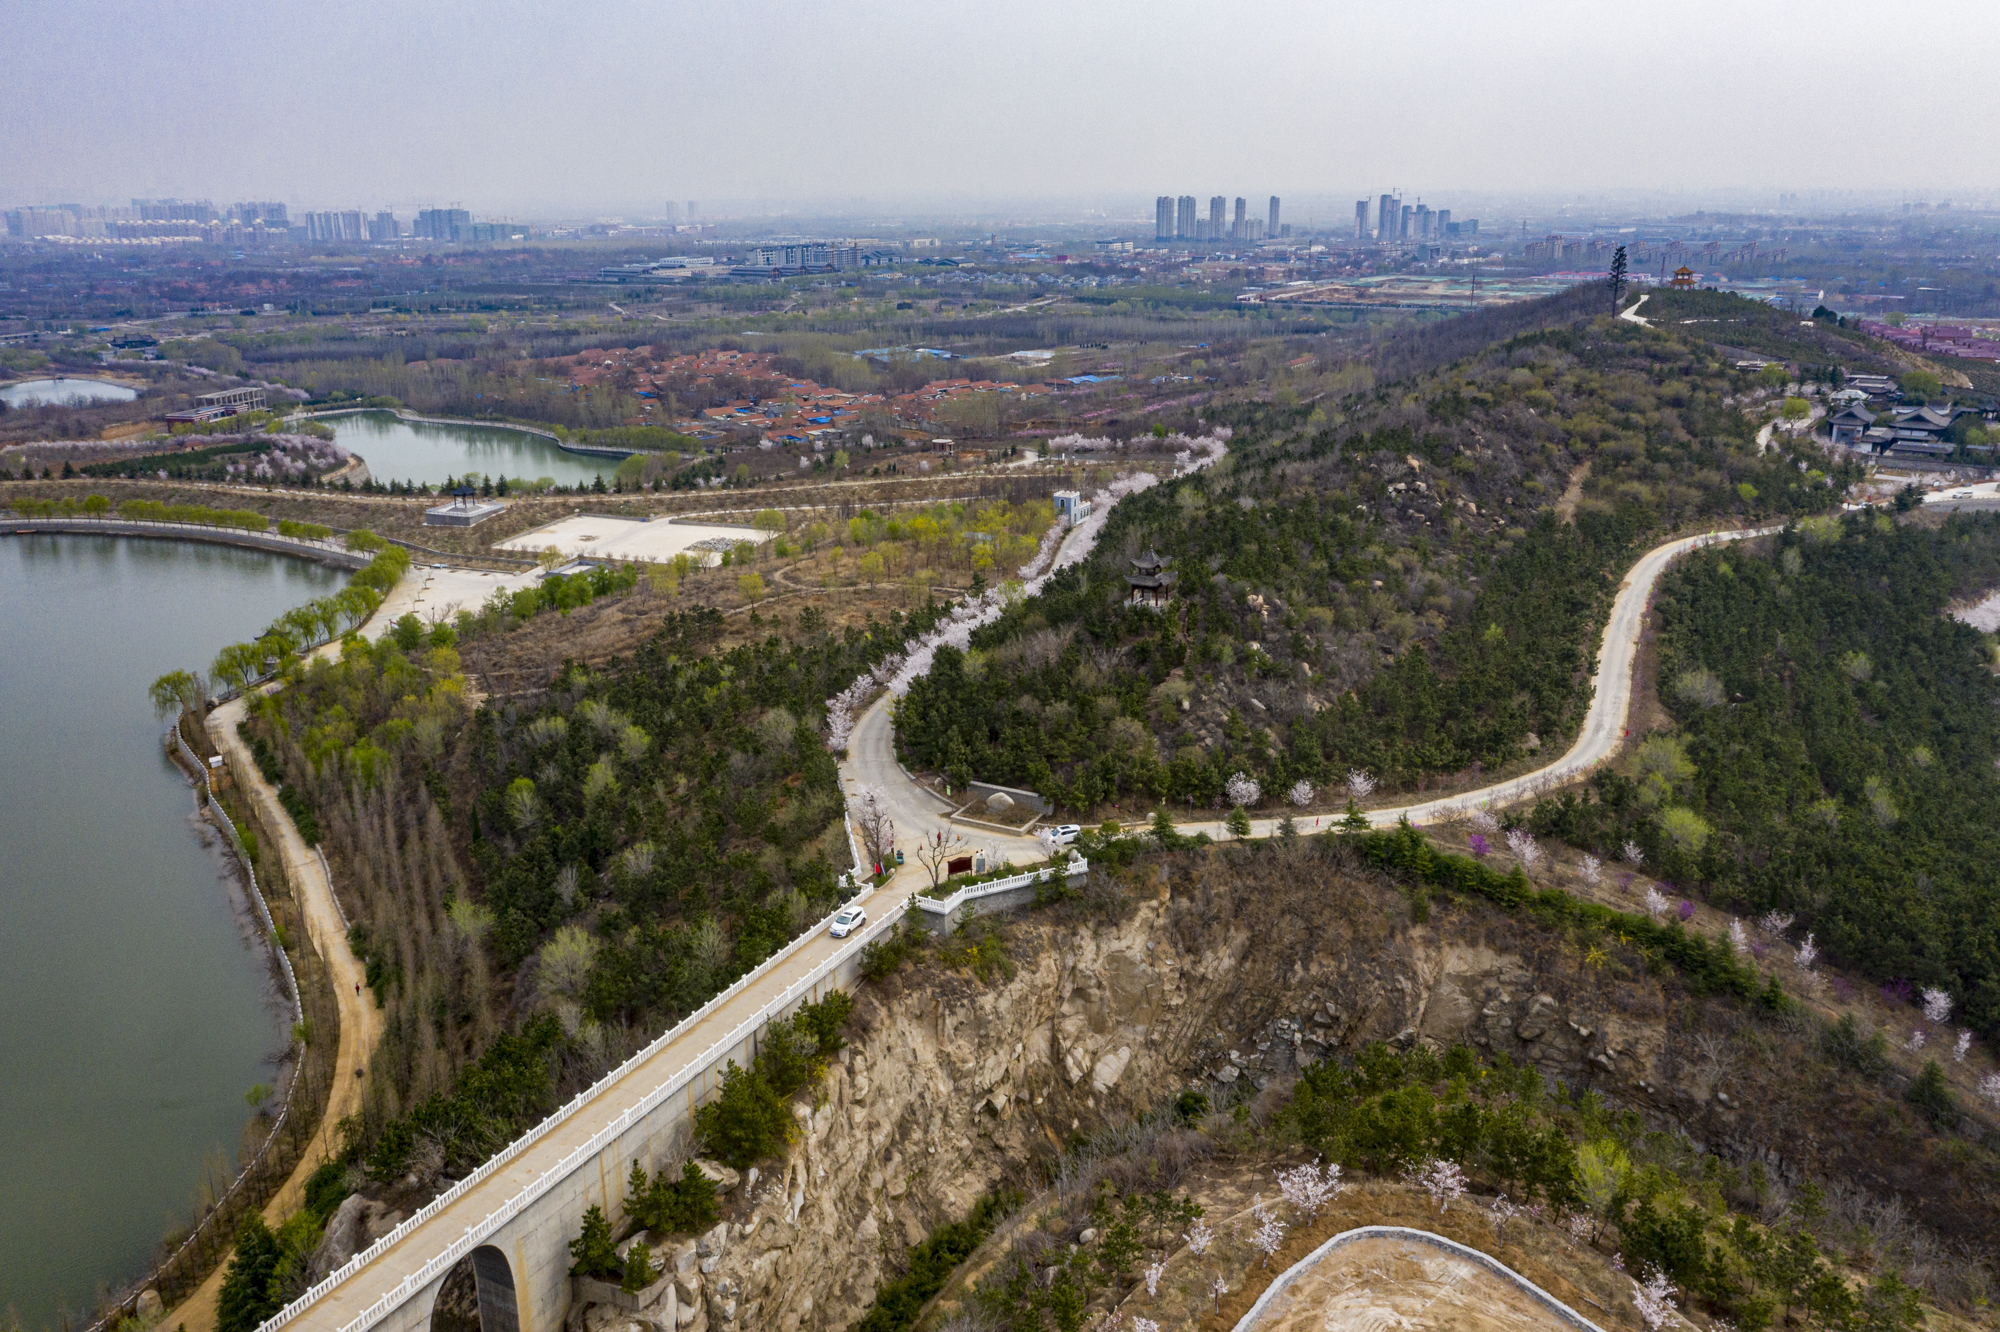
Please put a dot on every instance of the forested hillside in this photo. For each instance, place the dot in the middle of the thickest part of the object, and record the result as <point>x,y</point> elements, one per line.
<point>1835,751</point>
<point>1406,583</point>
<point>580,866</point>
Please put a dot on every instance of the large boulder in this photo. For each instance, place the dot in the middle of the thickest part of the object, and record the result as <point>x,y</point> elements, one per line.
<point>999,802</point>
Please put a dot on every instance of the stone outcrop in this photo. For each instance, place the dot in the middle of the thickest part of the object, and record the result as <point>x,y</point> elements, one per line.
<point>952,1086</point>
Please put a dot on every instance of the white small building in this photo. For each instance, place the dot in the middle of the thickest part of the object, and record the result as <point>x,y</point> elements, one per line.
<point>1071,507</point>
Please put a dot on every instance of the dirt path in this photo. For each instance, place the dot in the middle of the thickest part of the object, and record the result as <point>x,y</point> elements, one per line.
<point>360,1020</point>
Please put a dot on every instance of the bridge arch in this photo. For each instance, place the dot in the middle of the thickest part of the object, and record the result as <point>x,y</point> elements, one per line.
<point>477,1295</point>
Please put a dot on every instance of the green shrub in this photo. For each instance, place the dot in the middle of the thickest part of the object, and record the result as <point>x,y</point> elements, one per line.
<point>824,1020</point>
<point>640,1269</point>
<point>1931,1095</point>
<point>245,1299</point>
<point>682,1206</point>
<point>593,1251</point>
<point>747,1121</point>
<point>932,1262</point>
<point>1844,1044</point>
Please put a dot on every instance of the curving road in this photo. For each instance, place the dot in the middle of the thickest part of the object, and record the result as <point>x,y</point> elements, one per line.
<point>917,811</point>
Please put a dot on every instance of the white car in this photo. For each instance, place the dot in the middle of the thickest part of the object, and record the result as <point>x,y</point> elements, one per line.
<point>848,921</point>
<point>1065,833</point>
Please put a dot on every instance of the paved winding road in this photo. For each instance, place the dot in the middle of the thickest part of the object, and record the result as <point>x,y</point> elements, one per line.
<point>918,812</point>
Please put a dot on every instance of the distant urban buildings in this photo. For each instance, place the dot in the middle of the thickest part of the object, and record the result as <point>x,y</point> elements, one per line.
<point>443,224</point>
<point>1184,222</point>
<point>1175,218</point>
<point>1271,229</point>
<point>1163,217</point>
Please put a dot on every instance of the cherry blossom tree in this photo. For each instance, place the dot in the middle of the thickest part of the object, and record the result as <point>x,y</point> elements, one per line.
<point>1144,1325</point>
<point>1269,1236</point>
<point>1440,1178</point>
<point>1808,953</point>
<point>1524,848</point>
<point>1309,1188</point>
<point>1501,1212</point>
<point>1482,819</point>
<point>1960,1047</point>
<point>1739,938</point>
<point>1917,1038</point>
<point>1302,792</point>
<point>1937,1006</point>
<point>1154,1271</point>
<point>1989,1090</point>
<point>1199,1237</point>
<point>1051,848</point>
<point>1242,789</point>
<point>1656,903</point>
<point>1216,1290</point>
<point>1775,923</point>
<point>1632,854</point>
<point>1591,870</point>
<point>1654,1299</point>
<point>1359,784</point>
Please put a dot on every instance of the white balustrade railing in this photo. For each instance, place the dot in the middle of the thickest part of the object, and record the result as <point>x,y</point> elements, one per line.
<point>475,1234</point>
<point>944,906</point>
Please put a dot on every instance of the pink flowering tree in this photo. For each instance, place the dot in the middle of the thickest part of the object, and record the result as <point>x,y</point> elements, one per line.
<point>1440,1178</point>
<point>1525,849</point>
<point>1360,785</point>
<point>1242,789</point>
<point>1269,1236</point>
<point>1311,1187</point>
<point>1654,1298</point>
<point>1302,792</point>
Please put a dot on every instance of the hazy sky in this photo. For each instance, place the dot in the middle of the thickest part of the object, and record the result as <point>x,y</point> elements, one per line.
<point>619,106</point>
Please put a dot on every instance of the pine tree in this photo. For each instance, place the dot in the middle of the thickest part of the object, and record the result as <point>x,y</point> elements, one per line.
<point>593,1250</point>
<point>245,1299</point>
<point>1616,279</point>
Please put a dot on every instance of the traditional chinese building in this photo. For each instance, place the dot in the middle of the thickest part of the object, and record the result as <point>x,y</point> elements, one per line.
<point>1152,583</point>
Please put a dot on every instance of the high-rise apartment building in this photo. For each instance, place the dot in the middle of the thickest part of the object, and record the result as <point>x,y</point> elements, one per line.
<point>1163,217</point>
<point>1239,231</point>
<point>1271,227</point>
<point>1361,219</point>
<point>443,224</point>
<point>1423,222</point>
<point>1387,209</point>
<point>691,210</point>
<point>1441,223</point>
<point>1218,221</point>
<point>1184,218</point>
<point>1408,212</point>
<point>384,227</point>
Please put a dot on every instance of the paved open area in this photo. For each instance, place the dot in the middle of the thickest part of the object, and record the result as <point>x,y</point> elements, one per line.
<point>1374,1284</point>
<point>631,538</point>
<point>438,594</point>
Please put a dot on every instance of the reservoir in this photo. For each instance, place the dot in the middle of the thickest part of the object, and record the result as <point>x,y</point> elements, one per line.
<point>136,1006</point>
<point>399,450</point>
<point>64,392</point>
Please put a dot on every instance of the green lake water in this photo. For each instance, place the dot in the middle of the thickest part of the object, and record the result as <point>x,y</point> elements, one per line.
<point>399,450</point>
<point>136,1007</point>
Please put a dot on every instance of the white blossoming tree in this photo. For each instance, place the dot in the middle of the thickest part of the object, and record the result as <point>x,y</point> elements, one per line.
<point>1309,1188</point>
<point>1440,1178</point>
<point>1654,1298</point>
<point>1302,792</point>
<point>1242,789</point>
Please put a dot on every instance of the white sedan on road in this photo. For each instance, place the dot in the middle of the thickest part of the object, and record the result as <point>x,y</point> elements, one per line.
<point>848,921</point>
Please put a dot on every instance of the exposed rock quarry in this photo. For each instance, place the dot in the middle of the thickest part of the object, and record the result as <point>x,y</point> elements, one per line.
<point>952,1086</point>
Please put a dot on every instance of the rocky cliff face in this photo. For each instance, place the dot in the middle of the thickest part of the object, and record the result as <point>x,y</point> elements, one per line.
<point>1229,968</point>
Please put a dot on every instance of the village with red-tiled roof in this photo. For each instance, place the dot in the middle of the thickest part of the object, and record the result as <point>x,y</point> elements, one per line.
<point>698,393</point>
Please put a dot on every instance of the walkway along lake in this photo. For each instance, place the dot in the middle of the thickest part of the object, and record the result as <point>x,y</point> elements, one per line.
<point>399,450</point>
<point>136,1006</point>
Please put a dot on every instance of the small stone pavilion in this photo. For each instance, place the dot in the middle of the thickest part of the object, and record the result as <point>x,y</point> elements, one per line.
<point>1151,582</point>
